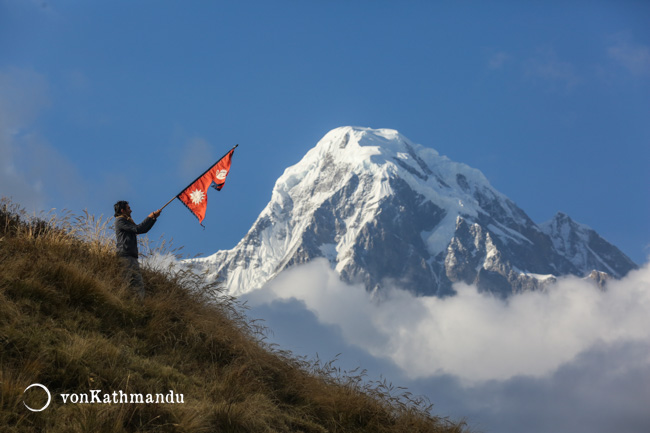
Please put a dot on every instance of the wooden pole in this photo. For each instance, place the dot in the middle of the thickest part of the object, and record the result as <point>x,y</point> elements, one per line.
<point>173,198</point>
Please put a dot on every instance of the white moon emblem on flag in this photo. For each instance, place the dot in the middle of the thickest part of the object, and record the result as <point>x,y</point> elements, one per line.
<point>222,174</point>
<point>197,196</point>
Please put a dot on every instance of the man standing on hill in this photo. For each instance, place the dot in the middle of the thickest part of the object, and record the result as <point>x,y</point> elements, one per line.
<point>126,231</point>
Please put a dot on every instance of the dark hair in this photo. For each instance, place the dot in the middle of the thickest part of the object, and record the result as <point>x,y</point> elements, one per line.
<point>120,206</point>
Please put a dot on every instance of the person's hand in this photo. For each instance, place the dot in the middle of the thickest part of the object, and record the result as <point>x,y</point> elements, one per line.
<point>155,214</point>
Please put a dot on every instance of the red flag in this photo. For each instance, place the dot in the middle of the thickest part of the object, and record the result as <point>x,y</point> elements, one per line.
<point>195,196</point>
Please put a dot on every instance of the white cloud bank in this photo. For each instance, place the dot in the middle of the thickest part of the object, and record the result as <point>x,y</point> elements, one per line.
<point>474,336</point>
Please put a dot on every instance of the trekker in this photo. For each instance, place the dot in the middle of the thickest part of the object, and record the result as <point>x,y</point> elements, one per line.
<point>126,231</point>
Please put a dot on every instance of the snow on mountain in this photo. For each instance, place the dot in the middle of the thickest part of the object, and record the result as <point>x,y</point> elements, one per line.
<point>386,211</point>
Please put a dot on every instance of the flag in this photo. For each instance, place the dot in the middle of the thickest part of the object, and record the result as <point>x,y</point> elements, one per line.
<point>195,196</point>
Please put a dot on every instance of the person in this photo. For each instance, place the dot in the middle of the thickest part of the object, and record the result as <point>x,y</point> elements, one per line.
<point>126,231</point>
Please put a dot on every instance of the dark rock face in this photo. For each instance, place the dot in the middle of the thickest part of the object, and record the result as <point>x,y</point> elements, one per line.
<point>390,249</point>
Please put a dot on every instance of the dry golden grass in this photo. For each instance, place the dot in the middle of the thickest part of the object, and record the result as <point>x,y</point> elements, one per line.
<point>68,320</point>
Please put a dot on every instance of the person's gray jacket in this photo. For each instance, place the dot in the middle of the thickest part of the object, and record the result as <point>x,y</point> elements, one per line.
<point>126,231</point>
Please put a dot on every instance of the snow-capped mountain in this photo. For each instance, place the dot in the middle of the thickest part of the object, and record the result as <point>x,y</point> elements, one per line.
<point>386,211</point>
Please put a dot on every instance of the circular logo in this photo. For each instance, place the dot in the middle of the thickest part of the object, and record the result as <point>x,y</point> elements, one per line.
<point>47,391</point>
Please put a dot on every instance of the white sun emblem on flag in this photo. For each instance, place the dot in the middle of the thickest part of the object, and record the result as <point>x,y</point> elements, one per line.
<point>197,196</point>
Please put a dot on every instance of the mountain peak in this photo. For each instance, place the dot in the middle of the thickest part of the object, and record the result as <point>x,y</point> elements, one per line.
<point>387,153</point>
<point>584,247</point>
<point>361,136</point>
<point>562,218</point>
<point>384,210</point>
<point>354,144</point>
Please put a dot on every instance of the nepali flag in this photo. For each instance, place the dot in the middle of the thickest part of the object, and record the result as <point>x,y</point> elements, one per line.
<point>195,196</point>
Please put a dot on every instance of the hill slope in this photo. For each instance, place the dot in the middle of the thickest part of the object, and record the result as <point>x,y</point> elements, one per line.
<point>69,322</point>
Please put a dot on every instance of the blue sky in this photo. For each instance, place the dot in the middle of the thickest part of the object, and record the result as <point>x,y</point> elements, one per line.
<point>104,101</point>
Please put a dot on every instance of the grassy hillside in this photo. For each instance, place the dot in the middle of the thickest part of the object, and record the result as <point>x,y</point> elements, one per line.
<point>68,321</point>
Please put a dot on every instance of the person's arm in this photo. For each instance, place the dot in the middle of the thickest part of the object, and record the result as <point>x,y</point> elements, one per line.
<point>148,222</point>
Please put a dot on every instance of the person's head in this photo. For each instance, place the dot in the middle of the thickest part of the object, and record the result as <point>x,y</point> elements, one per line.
<point>122,208</point>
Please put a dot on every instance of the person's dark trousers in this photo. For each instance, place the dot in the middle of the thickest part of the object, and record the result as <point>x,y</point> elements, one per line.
<point>134,275</point>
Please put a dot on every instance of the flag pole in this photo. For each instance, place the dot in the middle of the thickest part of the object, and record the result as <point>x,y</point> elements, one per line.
<point>174,198</point>
<point>210,168</point>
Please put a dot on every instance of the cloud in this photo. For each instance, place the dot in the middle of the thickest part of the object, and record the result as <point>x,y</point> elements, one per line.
<point>31,169</point>
<point>547,67</point>
<point>604,389</point>
<point>497,60</point>
<point>635,58</point>
<point>473,336</point>
<point>197,155</point>
<point>23,94</point>
<point>573,358</point>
